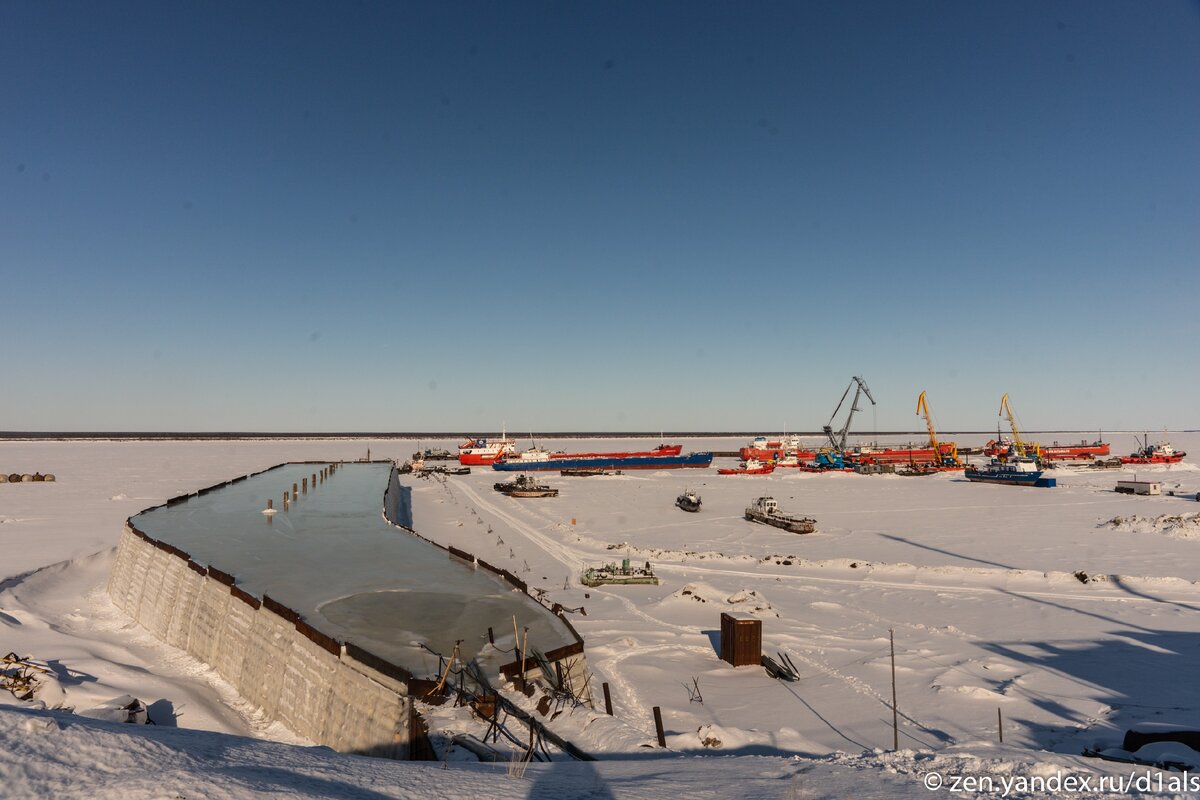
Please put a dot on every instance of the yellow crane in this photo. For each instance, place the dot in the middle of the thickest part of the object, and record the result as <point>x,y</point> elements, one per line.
<point>923,409</point>
<point>1020,447</point>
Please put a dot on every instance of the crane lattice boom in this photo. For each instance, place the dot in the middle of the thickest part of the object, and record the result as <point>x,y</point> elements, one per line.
<point>838,439</point>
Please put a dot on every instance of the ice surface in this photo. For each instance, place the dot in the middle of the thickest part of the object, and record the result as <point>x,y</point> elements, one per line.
<point>334,559</point>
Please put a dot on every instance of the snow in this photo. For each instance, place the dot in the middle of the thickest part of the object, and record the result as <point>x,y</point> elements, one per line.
<point>981,585</point>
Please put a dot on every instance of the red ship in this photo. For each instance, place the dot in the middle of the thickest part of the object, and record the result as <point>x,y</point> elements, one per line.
<point>901,455</point>
<point>1073,452</point>
<point>479,452</point>
<point>661,450</point>
<point>1157,453</point>
<point>765,449</point>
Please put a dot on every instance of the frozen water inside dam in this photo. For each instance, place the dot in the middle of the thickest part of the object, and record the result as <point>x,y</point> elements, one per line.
<point>333,558</point>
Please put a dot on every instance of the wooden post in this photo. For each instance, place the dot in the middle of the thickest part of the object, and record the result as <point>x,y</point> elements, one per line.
<point>524,646</point>
<point>1000,724</point>
<point>491,636</point>
<point>662,739</point>
<point>270,503</point>
<point>306,485</point>
<point>314,479</point>
<point>895,713</point>
<point>607,700</point>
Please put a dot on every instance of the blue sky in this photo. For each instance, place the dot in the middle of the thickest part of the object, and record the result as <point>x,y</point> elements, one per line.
<point>602,216</point>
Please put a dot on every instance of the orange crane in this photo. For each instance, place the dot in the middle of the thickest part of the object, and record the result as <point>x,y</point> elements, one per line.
<point>952,458</point>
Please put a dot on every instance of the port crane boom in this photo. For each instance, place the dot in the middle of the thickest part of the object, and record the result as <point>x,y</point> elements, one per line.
<point>838,439</point>
<point>1006,408</point>
<point>923,410</point>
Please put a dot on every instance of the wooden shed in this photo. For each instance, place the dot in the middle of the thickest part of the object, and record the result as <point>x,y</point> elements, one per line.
<point>741,639</point>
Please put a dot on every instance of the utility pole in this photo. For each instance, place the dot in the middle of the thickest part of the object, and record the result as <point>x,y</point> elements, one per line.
<point>895,713</point>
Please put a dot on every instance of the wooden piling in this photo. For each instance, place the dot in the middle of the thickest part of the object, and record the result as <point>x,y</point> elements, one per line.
<point>607,700</point>
<point>658,727</point>
<point>270,503</point>
<point>306,485</point>
<point>491,636</point>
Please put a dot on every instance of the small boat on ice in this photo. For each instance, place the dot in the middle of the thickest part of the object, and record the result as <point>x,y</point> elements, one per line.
<point>751,466</point>
<point>623,575</point>
<point>688,501</point>
<point>765,510</point>
<point>525,486</point>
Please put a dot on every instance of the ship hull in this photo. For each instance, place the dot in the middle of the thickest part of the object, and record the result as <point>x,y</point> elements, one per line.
<point>664,450</point>
<point>901,455</point>
<point>1033,479</point>
<point>1172,459</point>
<point>691,460</point>
<point>476,459</point>
<point>787,523</point>
<point>1078,452</point>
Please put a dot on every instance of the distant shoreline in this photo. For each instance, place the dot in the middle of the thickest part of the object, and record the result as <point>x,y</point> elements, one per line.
<point>73,436</point>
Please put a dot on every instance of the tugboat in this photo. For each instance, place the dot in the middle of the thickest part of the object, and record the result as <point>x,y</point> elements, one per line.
<point>1157,453</point>
<point>688,501</point>
<point>525,486</point>
<point>1016,471</point>
<point>766,511</point>
<point>751,466</point>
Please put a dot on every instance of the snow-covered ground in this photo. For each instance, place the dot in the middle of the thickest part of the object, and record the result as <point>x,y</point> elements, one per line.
<point>978,583</point>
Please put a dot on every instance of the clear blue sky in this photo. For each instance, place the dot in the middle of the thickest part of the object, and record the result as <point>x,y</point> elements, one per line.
<point>597,216</point>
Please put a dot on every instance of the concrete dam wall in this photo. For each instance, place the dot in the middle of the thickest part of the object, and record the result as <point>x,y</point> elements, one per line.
<point>296,675</point>
<point>301,668</point>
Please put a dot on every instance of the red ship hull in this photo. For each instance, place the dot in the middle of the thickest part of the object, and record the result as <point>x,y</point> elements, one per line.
<point>475,459</point>
<point>1077,452</point>
<point>1171,459</point>
<point>902,455</point>
<point>661,450</point>
<point>773,454</point>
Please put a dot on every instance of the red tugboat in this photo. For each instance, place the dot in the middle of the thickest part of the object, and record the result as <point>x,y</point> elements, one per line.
<point>751,466</point>
<point>1157,453</point>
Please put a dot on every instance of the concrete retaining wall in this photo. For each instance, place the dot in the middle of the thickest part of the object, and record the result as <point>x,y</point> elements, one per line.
<point>332,693</point>
<point>274,659</point>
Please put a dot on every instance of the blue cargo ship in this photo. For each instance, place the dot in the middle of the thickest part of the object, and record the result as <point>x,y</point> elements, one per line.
<point>541,460</point>
<point>1014,472</point>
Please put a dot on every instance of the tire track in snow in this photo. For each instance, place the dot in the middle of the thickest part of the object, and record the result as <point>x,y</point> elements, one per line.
<point>629,693</point>
<point>921,587</point>
<point>558,551</point>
